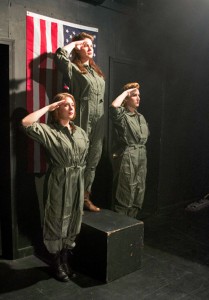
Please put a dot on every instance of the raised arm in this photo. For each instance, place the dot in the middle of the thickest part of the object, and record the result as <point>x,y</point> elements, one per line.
<point>119,100</point>
<point>62,58</point>
<point>77,45</point>
<point>36,115</point>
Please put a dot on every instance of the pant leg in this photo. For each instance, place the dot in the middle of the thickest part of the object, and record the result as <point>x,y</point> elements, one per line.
<point>60,231</point>
<point>121,210</point>
<point>133,212</point>
<point>141,179</point>
<point>94,154</point>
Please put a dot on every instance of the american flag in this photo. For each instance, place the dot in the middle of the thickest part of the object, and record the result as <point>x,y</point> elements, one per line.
<point>43,36</point>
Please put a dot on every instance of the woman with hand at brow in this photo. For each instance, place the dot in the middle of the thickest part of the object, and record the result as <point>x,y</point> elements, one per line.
<point>129,156</point>
<point>66,147</point>
<point>85,81</point>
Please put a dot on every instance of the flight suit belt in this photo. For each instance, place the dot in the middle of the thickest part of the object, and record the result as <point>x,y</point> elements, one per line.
<point>68,167</point>
<point>135,146</point>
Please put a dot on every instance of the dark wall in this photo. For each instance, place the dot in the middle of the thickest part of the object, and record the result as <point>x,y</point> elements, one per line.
<point>171,46</point>
<point>184,156</point>
<point>161,44</point>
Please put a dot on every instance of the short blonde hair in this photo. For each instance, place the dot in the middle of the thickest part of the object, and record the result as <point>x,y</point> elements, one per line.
<point>127,86</point>
<point>131,85</point>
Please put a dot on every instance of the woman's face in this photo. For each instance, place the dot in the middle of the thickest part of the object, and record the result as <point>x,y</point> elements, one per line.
<point>133,100</point>
<point>66,111</point>
<point>87,50</point>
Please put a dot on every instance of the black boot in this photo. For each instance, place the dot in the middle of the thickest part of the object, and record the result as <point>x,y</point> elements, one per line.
<point>58,268</point>
<point>66,257</point>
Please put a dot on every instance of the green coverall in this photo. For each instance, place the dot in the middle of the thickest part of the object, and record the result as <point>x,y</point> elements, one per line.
<point>129,160</point>
<point>64,182</point>
<point>88,90</point>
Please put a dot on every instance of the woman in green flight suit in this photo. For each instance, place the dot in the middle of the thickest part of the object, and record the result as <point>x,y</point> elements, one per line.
<point>85,81</point>
<point>129,157</point>
<point>66,148</point>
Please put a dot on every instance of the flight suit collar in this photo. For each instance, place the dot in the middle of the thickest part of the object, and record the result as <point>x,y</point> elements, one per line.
<point>61,127</point>
<point>132,114</point>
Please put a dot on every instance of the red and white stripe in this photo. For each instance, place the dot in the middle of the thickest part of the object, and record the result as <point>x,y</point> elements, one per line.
<point>43,36</point>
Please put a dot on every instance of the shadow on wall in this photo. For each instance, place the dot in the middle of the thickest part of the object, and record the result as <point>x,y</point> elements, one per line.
<point>29,186</point>
<point>27,206</point>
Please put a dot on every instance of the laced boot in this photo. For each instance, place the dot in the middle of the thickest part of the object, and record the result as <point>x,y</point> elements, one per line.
<point>58,268</point>
<point>66,256</point>
<point>88,205</point>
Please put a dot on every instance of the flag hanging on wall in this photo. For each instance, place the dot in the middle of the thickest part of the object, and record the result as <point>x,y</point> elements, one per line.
<point>43,36</point>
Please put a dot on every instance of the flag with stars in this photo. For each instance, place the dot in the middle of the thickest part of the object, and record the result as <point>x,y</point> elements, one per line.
<point>43,36</point>
<point>69,32</point>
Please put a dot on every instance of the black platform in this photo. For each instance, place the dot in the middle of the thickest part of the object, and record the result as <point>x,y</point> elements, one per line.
<point>109,245</point>
<point>175,266</point>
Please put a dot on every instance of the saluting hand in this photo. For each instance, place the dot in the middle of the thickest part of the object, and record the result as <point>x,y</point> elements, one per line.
<point>55,105</point>
<point>130,92</point>
<point>79,44</point>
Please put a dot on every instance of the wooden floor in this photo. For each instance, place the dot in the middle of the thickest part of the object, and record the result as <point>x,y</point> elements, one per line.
<point>175,266</point>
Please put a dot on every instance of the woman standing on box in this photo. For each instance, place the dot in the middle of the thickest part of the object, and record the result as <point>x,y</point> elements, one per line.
<point>85,81</point>
<point>129,157</point>
<point>66,148</point>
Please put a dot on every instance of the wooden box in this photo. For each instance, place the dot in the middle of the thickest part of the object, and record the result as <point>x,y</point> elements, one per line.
<point>109,245</point>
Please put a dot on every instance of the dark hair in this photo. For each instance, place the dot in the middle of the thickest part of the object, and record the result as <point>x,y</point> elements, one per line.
<point>61,96</point>
<point>76,57</point>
